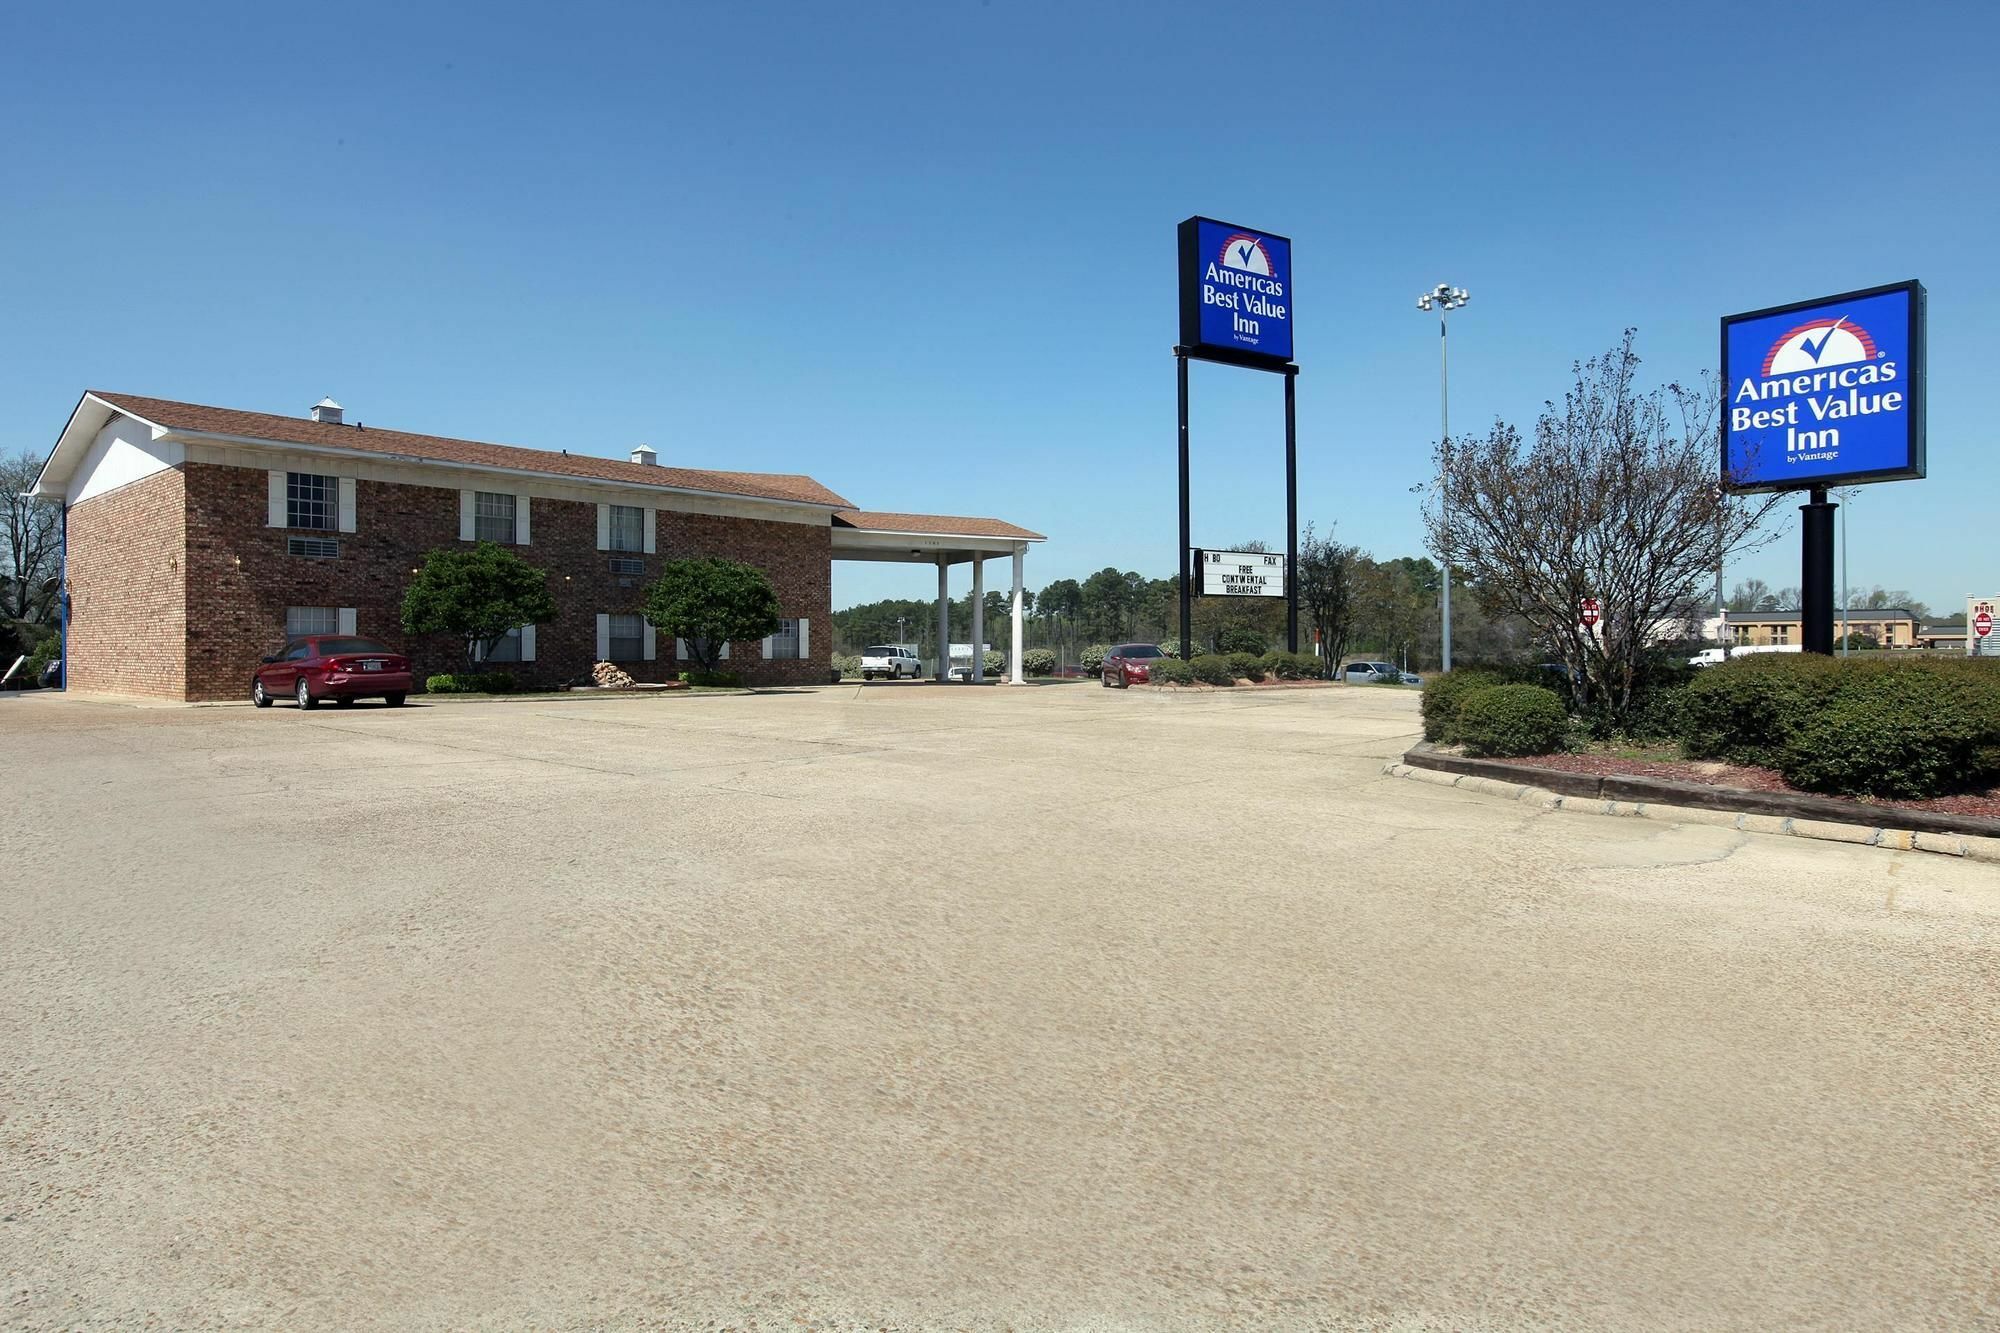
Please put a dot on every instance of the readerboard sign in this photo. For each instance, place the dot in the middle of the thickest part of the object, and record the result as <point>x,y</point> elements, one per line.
<point>1236,293</point>
<point>1240,574</point>
<point>1825,393</point>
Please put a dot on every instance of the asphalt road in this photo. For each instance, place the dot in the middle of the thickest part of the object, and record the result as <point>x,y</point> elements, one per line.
<point>931,1007</point>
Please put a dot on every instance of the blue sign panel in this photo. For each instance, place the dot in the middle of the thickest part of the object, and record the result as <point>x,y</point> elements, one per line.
<point>1236,293</point>
<point>1825,393</point>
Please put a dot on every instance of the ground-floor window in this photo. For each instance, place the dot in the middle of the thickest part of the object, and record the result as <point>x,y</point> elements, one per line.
<point>628,638</point>
<point>785,643</point>
<point>303,620</point>
<point>508,649</point>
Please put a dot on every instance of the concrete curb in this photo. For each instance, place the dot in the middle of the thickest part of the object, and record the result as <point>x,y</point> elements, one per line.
<point>1971,847</point>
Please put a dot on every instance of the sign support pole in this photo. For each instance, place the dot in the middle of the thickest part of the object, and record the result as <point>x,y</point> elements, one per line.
<point>1291,511</point>
<point>1187,540</point>
<point>1816,574</point>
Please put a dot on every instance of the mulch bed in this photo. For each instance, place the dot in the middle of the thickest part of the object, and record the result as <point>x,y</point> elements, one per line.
<point>1985,803</point>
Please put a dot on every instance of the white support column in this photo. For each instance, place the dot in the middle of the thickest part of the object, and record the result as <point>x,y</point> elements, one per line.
<point>978,619</point>
<point>944,620</point>
<point>1020,556</point>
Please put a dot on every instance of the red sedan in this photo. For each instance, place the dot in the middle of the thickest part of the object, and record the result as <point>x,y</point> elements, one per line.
<point>339,667</point>
<point>1130,664</point>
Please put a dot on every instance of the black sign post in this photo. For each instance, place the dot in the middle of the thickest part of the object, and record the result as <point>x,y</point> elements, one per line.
<point>1236,310</point>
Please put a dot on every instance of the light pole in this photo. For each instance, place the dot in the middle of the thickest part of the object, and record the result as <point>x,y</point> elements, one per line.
<point>1444,299</point>
<point>1846,589</point>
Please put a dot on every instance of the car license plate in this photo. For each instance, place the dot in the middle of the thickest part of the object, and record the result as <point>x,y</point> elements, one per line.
<point>371,666</point>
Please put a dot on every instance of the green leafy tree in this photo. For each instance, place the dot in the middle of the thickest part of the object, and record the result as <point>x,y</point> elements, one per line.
<point>476,595</point>
<point>710,602</point>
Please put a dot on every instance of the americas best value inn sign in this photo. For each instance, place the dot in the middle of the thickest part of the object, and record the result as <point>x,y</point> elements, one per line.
<point>1236,293</point>
<point>1826,392</point>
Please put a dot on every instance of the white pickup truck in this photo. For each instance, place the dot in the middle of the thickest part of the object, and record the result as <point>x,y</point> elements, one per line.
<point>892,661</point>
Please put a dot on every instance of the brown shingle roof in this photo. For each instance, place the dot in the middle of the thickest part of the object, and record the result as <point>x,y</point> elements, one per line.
<point>943,525</point>
<point>437,448</point>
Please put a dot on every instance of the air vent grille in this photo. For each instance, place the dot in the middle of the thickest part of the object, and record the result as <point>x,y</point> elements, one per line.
<point>627,565</point>
<point>313,548</point>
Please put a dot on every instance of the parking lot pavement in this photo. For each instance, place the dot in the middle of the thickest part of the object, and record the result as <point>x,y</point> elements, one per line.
<point>1036,1009</point>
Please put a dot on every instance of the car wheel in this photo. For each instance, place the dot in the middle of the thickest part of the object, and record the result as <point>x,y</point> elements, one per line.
<point>257,695</point>
<point>393,700</point>
<point>867,675</point>
<point>305,695</point>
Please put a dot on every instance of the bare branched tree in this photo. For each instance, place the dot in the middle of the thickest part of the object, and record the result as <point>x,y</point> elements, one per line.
<point>1326,591</point>
<point>1615,498</point>
<point>30,541</point>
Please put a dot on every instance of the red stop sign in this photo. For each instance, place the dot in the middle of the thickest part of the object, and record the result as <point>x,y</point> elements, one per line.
<point>1982,624</point>
<point>1588,611</point>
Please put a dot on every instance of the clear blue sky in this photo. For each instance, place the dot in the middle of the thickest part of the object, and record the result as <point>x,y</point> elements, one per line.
<point>924,252</point>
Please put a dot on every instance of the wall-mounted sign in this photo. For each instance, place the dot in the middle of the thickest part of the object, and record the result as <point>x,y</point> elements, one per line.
<point>1825,393</point>
<point>1980,613</point>
<point>1240,573</point>
<point>1236,293</point>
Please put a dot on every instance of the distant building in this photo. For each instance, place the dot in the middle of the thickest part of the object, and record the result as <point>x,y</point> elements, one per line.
<point>1944,638</point>
<point>1890,627</point>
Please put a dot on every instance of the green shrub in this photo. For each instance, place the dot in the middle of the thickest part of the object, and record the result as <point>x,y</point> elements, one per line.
<point>847,664</point>
<point>471,682</point>
<point>1898,728</point>
<point>1172,671</point>
<point>1291,666</point>
<point>43,653</point>
<point>1247,666</point>
<point>1241,639</point>
<point>1746,709</point>
<point>994,664</point>
<point>1092,659</point>
<point>1213,669</point>
<point>1509,720</point>
<point>1445,694</point>
<point>1170,649</point>
<point>1039,662</point>
<point>727,680</point>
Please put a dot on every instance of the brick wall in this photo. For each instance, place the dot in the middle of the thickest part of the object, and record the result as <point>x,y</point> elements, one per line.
<point>241,579</point>
<point>127,586</point>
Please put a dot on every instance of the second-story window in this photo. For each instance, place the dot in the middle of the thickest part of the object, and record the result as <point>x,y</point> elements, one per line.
<point>493,517</point>
<point>628,528</point>
<point>312,501</point>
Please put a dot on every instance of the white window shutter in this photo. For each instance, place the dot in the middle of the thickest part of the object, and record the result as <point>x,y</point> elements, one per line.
<point>650,649</point>
<point>347,504</point>
<point>344,620</point>
<point>604,527</point>
<point>465,524</point>
<point>767,646</point>
<point>651,544</point>
<point>276,514</point>
<point>723,656</point>
<point>520,520</point>
<point>603,636</point>
<point>680,650</point>
<point>805,640</point>
<point>479,652</point>
<point>527,643</point>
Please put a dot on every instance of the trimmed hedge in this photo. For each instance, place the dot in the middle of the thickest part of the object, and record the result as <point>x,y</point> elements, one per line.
<point>1213,669</point>
<point>847,664</point>
<point>1898,727</point>
<point>1247,666</point>
<point>1512,720</point>
<point>1092,658</point>
<point>1039,662</point>
<point>1445,694</point>
<point>1291,666</point>
<point>1171,671</point>
<point>471,682</point>
<point>713,679</point>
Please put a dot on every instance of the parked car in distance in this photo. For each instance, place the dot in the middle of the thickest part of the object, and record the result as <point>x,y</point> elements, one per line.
<point>1412,678</point>
<point>340,667</point>
<point>1368,673</point>
<point>891,661</point>
<point>1128,664</point>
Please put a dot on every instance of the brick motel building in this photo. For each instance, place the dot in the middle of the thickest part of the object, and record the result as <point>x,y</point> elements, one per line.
<point>198,539</point>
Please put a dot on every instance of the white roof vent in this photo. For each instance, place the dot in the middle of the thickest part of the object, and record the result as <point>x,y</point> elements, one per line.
<point>326,410</point>
<point>644,454</point>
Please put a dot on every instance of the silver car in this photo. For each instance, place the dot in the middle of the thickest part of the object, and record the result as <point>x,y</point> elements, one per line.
<point>1369,673</point>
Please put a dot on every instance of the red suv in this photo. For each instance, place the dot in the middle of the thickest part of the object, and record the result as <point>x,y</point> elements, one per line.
<point>339,667</point>
<point>1130,664</point>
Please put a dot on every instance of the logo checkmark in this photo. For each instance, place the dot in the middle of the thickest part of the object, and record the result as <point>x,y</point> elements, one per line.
<point>1243,251</point>
<point>1813,349</point>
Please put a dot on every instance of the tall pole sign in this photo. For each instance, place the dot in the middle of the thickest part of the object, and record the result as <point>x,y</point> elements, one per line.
<point>1236,309</point>
<point>1822,393</point>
